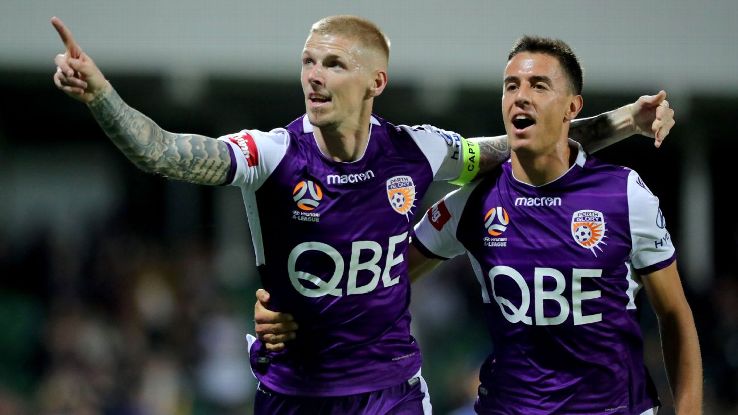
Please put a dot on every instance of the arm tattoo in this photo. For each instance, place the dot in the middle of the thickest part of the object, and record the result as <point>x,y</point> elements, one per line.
<point>189,157</point>
<point>594,133</point>
<point>493,152</point>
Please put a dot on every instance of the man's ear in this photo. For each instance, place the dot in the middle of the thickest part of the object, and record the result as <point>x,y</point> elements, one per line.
<point>575,106</point>
<point>378,83</point>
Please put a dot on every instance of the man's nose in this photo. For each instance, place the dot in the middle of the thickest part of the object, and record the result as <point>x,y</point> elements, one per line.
<point>522,97</point>
<point>315,76</point>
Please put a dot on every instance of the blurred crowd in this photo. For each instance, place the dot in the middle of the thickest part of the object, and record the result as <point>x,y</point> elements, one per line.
<point>121,324</point>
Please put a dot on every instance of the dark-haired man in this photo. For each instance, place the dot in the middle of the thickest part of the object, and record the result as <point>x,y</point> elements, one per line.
<point>561,243</point>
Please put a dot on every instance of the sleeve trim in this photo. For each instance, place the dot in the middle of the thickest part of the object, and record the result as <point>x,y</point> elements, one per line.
<point>657,266</point>
<point>232,168</point>
<point>425,251</point>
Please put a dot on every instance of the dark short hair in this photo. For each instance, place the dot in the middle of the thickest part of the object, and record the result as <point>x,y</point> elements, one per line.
<point>556,48</point>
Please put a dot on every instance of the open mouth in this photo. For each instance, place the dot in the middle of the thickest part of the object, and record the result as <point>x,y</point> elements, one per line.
<point>318,99</point>
<point>522,122</point>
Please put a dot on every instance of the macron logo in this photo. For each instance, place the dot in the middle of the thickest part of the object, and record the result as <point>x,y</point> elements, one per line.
<point>538,201</point>
<point>350,178</point>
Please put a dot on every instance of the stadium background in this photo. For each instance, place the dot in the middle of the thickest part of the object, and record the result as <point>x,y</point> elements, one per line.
<point>125,293</point>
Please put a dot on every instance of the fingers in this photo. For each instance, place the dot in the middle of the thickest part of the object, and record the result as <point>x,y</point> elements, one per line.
<point>274,336</point>
<point>66,80</point>
<point>262,295</point>
<point>653,100</point>
<point>66,36</point>
<point>277,338</point>
<point>274,329</point>
<point>278,347</point>
<point>62,62</point>
<point>278,329</point>
<point>262,314</point>
<point>663,122</point>
<point>71,85</point>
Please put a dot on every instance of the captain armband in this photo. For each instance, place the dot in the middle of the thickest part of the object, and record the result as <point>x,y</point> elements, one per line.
<point>470,162</point>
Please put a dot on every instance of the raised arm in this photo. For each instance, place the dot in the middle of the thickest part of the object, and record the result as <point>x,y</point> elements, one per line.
<point>189,157</point>
<point>678,338</point>
<point>649,115</point>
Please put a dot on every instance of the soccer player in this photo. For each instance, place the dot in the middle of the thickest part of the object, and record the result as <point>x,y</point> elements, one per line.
<point>561,243</point>
<point>330,201</point>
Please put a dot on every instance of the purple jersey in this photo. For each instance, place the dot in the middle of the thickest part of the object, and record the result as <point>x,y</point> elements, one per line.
<point>559,268</point>
<point>331,240</point>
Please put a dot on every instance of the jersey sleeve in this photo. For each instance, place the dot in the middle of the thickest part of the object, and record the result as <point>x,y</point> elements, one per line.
<point>435,233</point>
<point>652,248</point>
<point>254,155</point>
<point>442,149</point>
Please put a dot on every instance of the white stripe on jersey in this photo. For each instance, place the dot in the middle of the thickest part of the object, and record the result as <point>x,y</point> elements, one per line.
<point>651,242</point>
<point>634,286</point>
<point>271,147</point>
<point>477,267</point>
<point>442,149</point>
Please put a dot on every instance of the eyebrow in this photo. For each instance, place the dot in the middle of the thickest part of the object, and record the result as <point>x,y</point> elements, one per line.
<point>328,56</point>
<point>533,79</point>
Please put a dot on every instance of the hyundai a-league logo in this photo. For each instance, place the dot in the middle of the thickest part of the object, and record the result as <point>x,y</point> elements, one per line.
<point>307,195</point>
<point>496,221</point>
<point>588,229</point>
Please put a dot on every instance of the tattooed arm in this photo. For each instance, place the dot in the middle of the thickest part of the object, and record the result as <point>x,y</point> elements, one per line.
<point>189,157</point>
<point>650,115</point>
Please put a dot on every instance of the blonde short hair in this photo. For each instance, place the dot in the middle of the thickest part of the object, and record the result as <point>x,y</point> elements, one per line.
<point>354,27</point>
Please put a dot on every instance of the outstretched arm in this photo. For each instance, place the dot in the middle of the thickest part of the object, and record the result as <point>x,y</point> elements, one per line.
<point>190,157</point>
<point>650,116</point>
<point>678,338</point>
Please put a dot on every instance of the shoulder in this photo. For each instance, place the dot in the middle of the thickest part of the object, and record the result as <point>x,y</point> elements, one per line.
<point>605,172</point>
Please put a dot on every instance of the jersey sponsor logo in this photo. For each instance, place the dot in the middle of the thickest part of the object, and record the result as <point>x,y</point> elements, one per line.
<point>248,147</point>
<point>641,183</point>
<point>513,294</point>
<point>453,141</point>
<point>663,241</point>
<point>660,221</point>
<point>495,222</point>
<point>588,229</point>
<point>401,194</point>
<point>350,178</point>
<point>367,257</point>
<point>438,215</point>
<point>538,201</point>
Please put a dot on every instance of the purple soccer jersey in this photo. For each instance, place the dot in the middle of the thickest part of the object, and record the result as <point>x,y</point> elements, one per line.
<point>559,268</point>
<point>331,240</point>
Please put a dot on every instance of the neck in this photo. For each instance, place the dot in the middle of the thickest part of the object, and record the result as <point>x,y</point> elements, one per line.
<point>346,141</point>
<point>540,169</point>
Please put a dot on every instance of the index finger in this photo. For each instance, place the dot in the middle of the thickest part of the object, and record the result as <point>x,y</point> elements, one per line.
<point>66,36</point>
